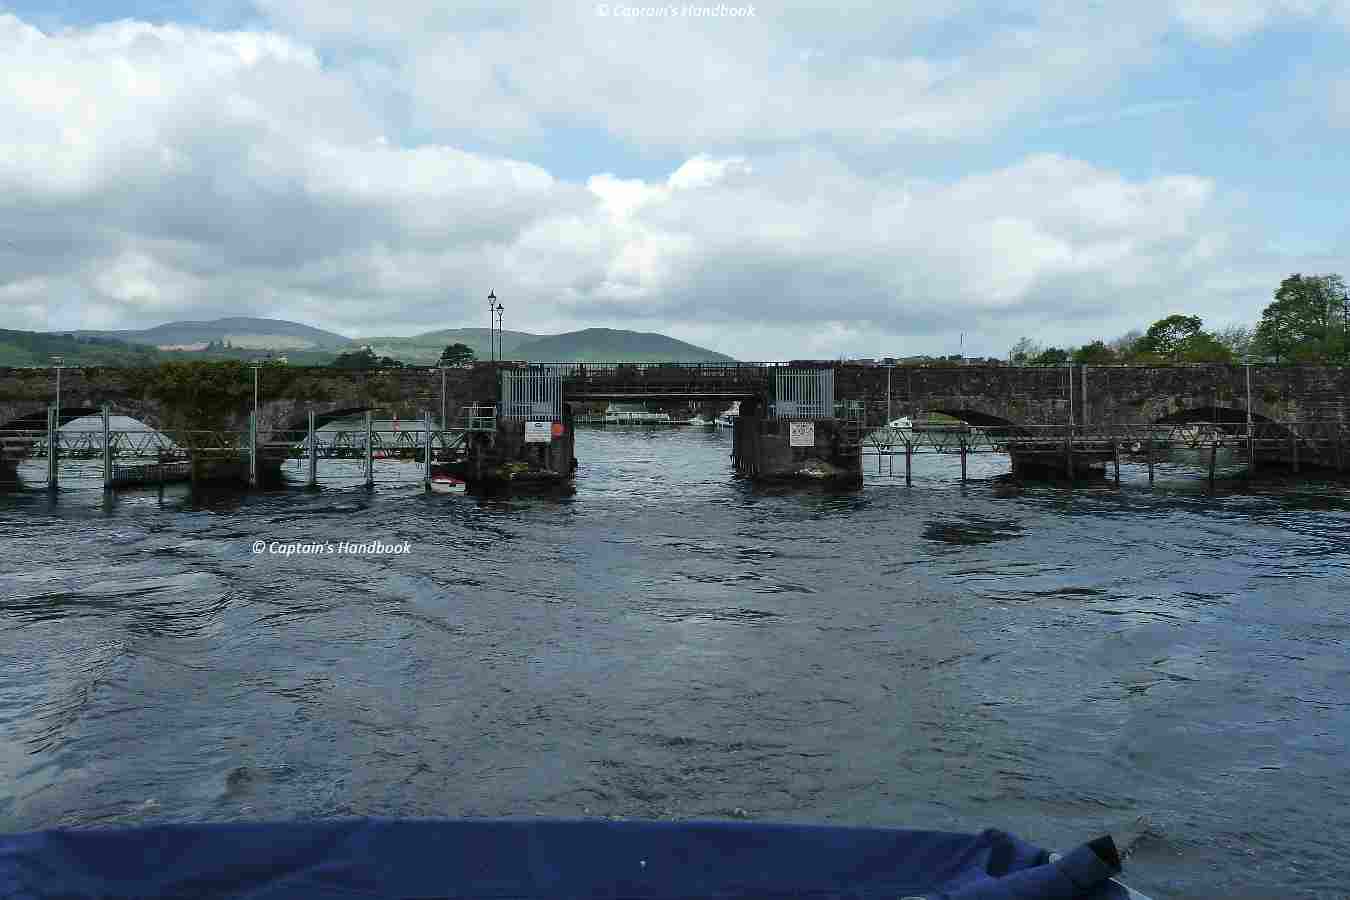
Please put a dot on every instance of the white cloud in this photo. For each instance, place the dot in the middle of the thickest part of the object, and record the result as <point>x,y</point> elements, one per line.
<point>157,172</point>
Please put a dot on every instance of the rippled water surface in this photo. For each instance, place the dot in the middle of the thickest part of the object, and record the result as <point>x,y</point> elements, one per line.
<point>671,642</point>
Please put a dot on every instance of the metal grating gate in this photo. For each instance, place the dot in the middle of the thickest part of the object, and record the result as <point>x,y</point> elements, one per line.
<point>533,394</point>
<point>804,394</point>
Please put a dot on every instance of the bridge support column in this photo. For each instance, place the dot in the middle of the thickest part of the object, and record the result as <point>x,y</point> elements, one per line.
<point>312,481</point>
<point>253,449</point>
<point>426,451</point>
<point>107,452</point>
<point>53,446</point>
<point>821,450</point>
<point>370,453</point>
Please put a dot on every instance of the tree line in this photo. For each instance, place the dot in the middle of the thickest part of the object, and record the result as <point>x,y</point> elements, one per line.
<point>1308,321</point>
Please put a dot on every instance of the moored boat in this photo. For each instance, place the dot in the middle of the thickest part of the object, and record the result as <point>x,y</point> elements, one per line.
<point>446,484</point>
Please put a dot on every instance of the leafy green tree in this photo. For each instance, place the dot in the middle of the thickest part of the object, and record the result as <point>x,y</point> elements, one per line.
<point>1237,338</point>
<point>1051,356</point>
<point>365,358</point>
<point>1023,351</point>
<point>1307,320</point>
<point>1095,354</point>
<point>1204,347</point>
<point>1168,337</point>
<point>457,354</point>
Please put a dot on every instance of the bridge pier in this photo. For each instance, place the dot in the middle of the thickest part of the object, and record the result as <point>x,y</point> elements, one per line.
<point>517,455</point>
<point>822,450</point>
<point>1059,461</point>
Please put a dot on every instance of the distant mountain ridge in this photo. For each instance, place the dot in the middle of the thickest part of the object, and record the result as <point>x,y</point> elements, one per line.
<point>242,332</point>
<point>611,344</point>
<point>308,345</point>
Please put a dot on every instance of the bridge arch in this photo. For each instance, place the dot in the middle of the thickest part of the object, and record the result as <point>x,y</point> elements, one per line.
<point>300,420</point>
<point>1227,419</point>
<point>978,419</point>
<point>37,421</point>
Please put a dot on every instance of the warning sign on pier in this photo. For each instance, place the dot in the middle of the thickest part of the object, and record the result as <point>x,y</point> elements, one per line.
<point>538,432</point>
<point>802,434</point>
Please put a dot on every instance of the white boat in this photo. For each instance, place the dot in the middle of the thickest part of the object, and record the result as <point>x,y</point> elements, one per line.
<point>728,418</point>
<point>700,422</point>
<point>634,414</point>
<point>446,484</point>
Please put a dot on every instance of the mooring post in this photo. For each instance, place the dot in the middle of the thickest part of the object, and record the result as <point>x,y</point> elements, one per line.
<point>1149,442</point>
<point>53,445</point>
<point>963,459</point>
<point>107,451</point>
<point>253,449</point>
<point>1115,458</point>
<point>426,454</point>
<point>1293,449</point>
<point>370,453</point>
<point>909,456</point>
<point>1068,452</point>
<point>1213,457</point>
<point>312,481</point>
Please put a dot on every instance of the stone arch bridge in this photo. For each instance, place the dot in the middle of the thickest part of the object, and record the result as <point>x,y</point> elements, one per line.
<point>1289,400</point>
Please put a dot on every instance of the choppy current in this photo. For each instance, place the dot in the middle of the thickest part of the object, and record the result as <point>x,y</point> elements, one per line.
<point>673,642</point>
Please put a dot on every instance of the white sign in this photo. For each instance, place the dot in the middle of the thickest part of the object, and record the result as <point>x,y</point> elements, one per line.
<point>802,434</point>
<point>538,432</point>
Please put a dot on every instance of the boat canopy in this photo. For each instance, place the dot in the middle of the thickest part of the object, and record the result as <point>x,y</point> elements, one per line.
<point>547,858</point>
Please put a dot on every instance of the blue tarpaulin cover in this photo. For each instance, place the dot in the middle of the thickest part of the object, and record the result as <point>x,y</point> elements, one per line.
<point>545,858</point>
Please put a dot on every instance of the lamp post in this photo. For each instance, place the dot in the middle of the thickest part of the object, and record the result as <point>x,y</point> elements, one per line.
<point>501,349</point>
<point>492,335</point>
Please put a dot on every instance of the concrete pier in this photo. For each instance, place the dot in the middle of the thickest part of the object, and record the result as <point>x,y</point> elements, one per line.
<point>507,458</point>
<point>762,449</point>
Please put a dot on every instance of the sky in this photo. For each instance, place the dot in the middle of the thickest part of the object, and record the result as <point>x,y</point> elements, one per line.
<point>769,180</point>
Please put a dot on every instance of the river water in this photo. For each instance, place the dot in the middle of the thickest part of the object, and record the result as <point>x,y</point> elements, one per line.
<point>673,642</point>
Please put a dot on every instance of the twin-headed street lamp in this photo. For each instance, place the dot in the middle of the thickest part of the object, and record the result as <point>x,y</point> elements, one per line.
<point>494,331</point>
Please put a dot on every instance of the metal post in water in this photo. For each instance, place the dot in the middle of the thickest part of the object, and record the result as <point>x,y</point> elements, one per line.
<point>1293,449</point>
<point>107,451</point>
<point>53,440</point>
<point>909,454</point>
<point>1068,448</point>
<point>253,449</point>
<point>1115,456</point>
<point>1213,458</point>
<point>370,453</point>
<point>426,460</point>
<point>313,480</point>
<point>963,459</point>
<point>1150,460</point>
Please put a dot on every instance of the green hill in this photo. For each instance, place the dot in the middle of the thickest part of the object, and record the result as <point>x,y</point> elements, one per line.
<point>34,348</point>
<point>240,332</point>
<point>426,348</point>
<point>613,345</point>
